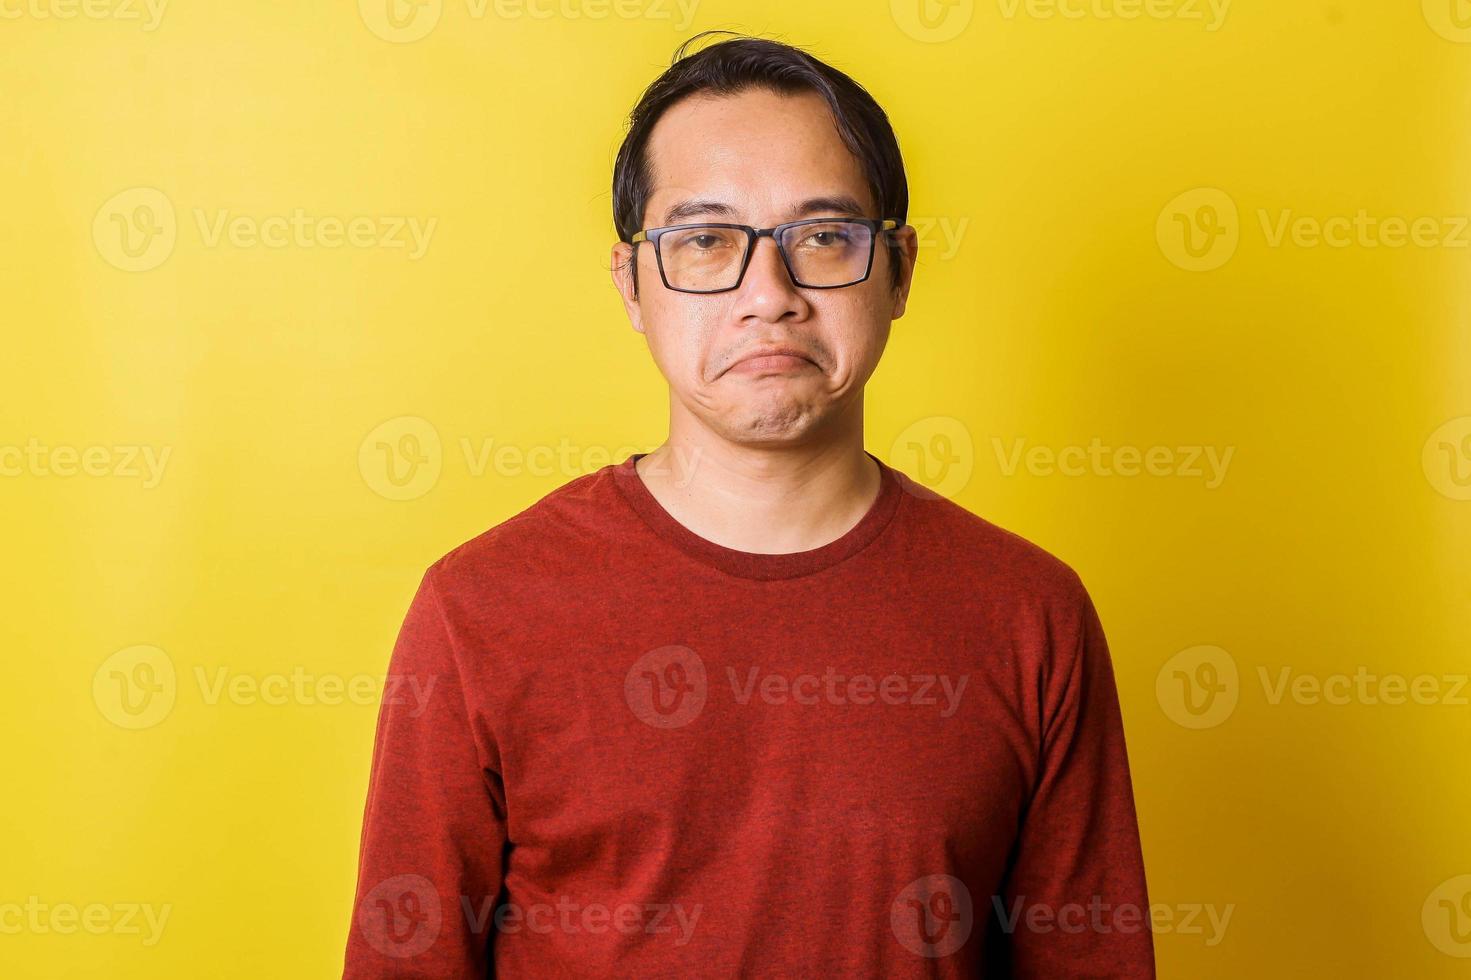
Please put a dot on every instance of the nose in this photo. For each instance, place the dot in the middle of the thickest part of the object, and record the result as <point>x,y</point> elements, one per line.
<point>768,292</point>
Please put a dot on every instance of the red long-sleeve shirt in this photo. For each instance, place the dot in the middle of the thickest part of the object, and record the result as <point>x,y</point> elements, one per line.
<point>610,747</point>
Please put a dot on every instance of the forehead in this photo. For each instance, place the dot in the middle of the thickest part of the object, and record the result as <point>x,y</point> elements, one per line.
<point>760,153</point>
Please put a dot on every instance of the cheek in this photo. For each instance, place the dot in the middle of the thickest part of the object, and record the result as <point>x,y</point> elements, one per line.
<point>678,335</point>
<point>858,334</point>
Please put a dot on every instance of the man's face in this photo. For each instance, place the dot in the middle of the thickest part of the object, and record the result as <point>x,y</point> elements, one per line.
<point>757,158</point>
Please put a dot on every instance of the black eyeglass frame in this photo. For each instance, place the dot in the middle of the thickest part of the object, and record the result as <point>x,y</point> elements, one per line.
<point>875,228</point>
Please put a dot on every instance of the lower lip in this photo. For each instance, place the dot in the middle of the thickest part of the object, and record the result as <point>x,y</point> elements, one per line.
<point>771,362</point>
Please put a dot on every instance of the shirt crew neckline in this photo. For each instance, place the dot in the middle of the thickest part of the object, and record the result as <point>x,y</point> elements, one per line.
<point>755,565</point>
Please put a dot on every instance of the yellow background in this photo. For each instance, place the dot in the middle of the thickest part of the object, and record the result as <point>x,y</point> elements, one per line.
<point>1050,150</point>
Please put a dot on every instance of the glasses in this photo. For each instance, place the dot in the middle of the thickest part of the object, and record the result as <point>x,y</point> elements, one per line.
<point>819,253</point>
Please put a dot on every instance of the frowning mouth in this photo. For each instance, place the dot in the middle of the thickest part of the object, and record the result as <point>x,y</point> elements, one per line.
<point>774,360</point>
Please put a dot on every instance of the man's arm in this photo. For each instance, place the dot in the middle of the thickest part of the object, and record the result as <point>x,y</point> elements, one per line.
<point>429,871</point>
<point>1074,902</point>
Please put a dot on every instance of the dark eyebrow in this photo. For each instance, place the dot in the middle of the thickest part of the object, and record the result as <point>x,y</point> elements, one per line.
<point>698,209</point>
<point>838,205</point>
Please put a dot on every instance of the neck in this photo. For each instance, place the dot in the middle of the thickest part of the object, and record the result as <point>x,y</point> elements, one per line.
<point>764,498</point>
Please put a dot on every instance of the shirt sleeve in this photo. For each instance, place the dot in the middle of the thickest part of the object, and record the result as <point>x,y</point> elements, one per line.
<point>429,868</point>
<point>1074,902</point>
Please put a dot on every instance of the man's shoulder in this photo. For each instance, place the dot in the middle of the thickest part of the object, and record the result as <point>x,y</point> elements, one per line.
<point>565,526</point>
<point>979,549</point>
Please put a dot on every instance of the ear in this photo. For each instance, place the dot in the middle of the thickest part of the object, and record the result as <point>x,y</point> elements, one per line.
<point>906,240</point>
<point>621,268</point>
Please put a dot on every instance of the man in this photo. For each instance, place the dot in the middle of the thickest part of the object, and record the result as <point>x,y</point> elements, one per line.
<point>754,703</point>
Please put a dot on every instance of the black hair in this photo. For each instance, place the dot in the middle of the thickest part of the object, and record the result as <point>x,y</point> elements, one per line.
<point>732,66</point>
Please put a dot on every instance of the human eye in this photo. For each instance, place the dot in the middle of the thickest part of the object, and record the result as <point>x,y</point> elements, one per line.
<point>696,240</point>
<point>820,237</point>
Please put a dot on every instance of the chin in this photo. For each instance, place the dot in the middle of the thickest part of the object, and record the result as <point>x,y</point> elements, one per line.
<point>774,423</point>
